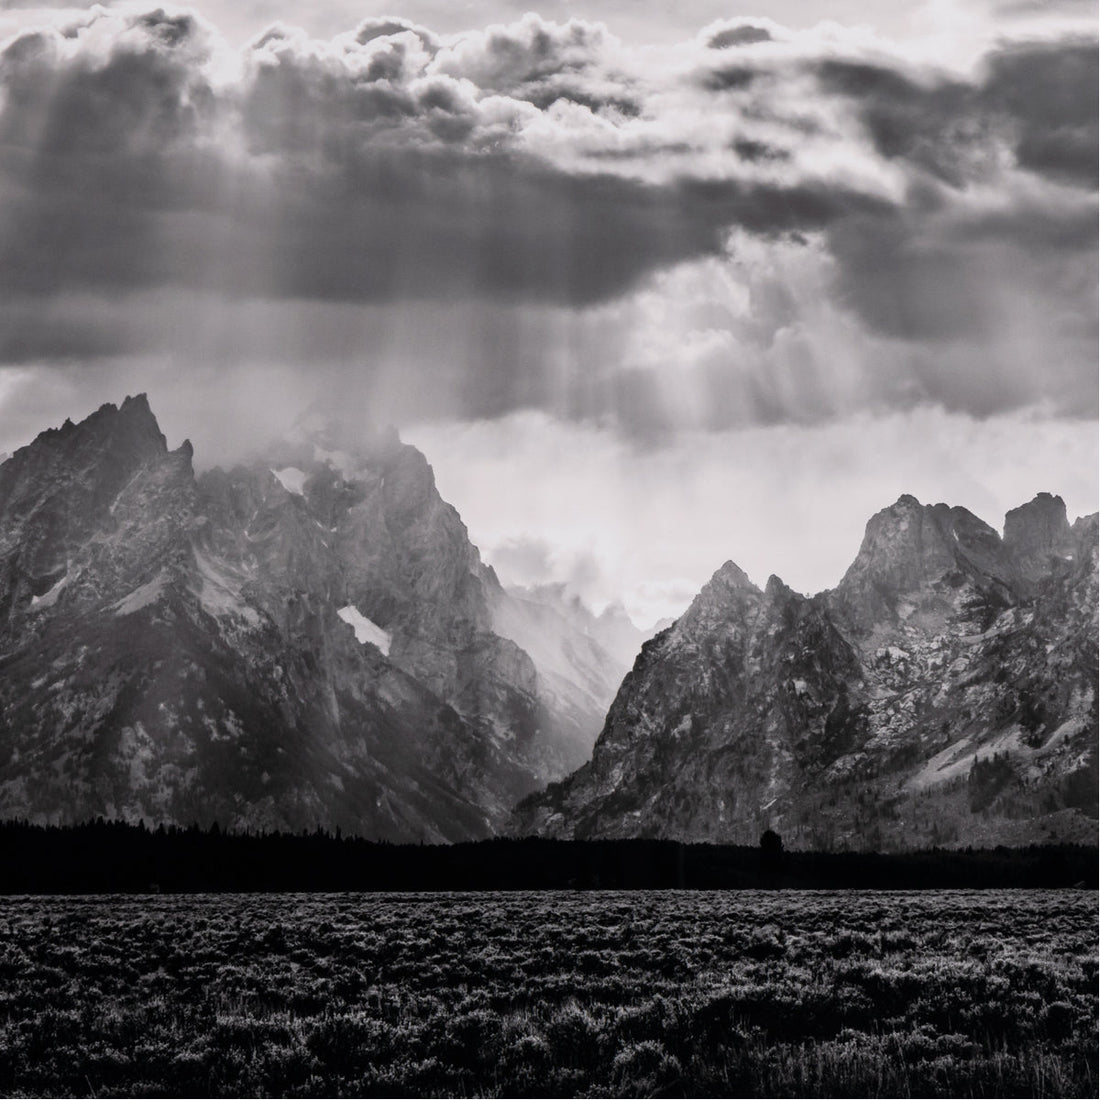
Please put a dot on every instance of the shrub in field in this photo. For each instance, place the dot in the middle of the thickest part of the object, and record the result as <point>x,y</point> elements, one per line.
<point>1058,1020</point>
<point>526,1056</point>
<point>574,1038</point>
<point>645,1065</point>
<point>473,1040</point>
<point>649,1018</point>
<point>770,994</point>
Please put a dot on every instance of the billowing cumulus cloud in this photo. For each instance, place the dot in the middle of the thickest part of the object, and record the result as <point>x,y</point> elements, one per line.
<point>539,159</point>
<point>373,168</point>
<point>752,226</point>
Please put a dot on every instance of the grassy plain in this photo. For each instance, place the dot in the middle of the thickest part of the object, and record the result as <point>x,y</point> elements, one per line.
<point>601,994</point>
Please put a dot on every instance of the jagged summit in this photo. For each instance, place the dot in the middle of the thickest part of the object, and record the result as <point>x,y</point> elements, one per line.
<point>944,692</point>
<point>1036,532</point>
<point>942,552</point>
<point>135,403</point>
<point>776,587</point>
<point>305,638</point>
<point>724,597</point>
<point>904,546</point>
<point>731,575</point>
<point>61,489</point>
<point>133,419</point>
<point>728,581</point>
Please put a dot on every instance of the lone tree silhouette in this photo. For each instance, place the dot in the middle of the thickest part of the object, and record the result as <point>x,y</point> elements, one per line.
<point>771,843</point>
<point>771,854</point>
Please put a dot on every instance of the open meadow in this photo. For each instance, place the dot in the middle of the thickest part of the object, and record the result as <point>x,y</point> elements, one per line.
<point>748,993</point>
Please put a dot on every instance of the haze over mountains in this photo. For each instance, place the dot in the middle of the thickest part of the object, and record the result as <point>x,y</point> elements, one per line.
<point>311,638</point>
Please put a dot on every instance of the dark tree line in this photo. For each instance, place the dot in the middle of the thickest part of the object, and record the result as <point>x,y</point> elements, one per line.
<point>108,857</point>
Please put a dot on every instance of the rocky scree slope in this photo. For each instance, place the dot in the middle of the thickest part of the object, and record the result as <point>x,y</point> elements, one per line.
<point>306,640</point>
<point>943,693</point>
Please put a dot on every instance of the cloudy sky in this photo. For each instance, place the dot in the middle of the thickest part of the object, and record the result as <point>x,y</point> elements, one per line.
<point>652,285</point>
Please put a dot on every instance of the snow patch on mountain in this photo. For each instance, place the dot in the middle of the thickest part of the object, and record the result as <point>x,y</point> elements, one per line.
<point>365,630</point>
<point>291,479</point>
<point>49,598</point>
<point>141,597</point>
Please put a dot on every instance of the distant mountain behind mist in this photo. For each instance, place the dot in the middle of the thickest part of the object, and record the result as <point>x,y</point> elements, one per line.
<point>308,638</point>
<point>943,693</point>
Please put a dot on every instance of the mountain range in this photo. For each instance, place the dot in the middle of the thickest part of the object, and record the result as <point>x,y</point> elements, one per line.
<point>943,693</point>
<point>310,638</point>
<point>306,639</point>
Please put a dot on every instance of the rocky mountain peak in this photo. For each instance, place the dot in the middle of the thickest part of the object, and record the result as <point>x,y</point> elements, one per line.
<point>1036,532</point>
<point>936,696</point>
<point>126,433</point>
<point>730,577</point>
<point>910,548</point>
<point>723,598</point>
<point>306,637</point>
<point>136,404</point>
<point>903,547</point>
<point>776,589</point>
<point>131,423</point>
<point>62,487</point>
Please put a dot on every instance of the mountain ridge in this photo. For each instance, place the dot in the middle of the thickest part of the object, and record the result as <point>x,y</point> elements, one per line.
<point>943,692</point>
<point>270,646</point>
<point>310,637</point>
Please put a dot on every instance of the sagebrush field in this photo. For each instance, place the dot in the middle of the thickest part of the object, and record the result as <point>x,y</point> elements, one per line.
<point>598,994</point>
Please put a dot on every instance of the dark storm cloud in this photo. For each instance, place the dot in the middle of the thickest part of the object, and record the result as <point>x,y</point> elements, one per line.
<point>513,229</point>
<point>935,267</point>
<point>903,285</point>
<point>755,151</point>
<point>1050,89</point>
<point>935,128</point>
<point>729,78</point>
<point>541,166</point>
<point>30,332</point>
<point>367,188</point>
<point>1040,99</point>
<point>741,34</point>
<point>935,278</point>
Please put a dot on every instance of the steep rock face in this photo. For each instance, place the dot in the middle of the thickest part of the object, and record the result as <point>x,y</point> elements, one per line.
<point>740,695</point>
<point>944,692</point>
<point>932,551</point>
<point>304,640</point>
<point>56,494</point>
<point>1036,533</point>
